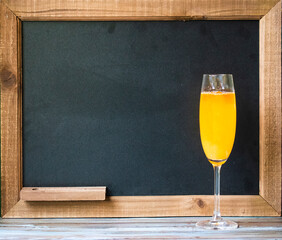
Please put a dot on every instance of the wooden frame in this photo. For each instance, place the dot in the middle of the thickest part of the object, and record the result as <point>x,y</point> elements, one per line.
<point>13,12</point>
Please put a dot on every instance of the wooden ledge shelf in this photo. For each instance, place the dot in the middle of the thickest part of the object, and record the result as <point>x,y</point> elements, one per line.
<point>63,193</point>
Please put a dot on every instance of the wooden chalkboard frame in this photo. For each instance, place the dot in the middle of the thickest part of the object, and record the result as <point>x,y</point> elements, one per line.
<point>13,12</point>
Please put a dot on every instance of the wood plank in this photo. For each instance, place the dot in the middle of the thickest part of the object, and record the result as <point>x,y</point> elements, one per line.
<point>270,107</point>
<point>136,228</point>
<point>10,74</point>
<point>139,9</point>
<point>144,206</point>
<point>63,193</point>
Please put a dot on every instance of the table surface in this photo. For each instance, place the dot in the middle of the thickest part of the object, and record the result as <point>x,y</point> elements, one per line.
<point>136,228</point>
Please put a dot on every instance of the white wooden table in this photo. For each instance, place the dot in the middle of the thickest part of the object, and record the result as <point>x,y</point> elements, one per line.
<point>135,228</point>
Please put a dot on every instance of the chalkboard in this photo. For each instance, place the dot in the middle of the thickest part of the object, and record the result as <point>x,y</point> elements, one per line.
<point>116,104</point>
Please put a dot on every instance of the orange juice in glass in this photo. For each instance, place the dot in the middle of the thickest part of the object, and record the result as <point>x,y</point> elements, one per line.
<point>217,130</point>
<point>217,124</point>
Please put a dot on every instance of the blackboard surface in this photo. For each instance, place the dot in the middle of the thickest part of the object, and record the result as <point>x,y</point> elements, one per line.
<point>116,104</point>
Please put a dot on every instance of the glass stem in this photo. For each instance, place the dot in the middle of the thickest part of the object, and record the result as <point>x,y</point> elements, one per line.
<point>216,213</point>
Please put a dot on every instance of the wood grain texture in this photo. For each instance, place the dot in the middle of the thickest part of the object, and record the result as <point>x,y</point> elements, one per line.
<point>136,228</point>
<point>144,206</point>
<point>270,107</point>
<point>10,74</point>
<point>139,9</point>
<point>63,193</point>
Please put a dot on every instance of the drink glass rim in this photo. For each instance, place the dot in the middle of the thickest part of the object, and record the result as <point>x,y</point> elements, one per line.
<point>217,74</point>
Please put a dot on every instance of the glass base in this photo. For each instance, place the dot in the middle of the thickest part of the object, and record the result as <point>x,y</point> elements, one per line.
<point>221,225</point>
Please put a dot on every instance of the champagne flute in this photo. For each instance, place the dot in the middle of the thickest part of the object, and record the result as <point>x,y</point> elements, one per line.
<point>217,129</point>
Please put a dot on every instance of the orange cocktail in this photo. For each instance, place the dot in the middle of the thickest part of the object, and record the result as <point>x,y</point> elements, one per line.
<point>217,129</point>
<point>217,125</point>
